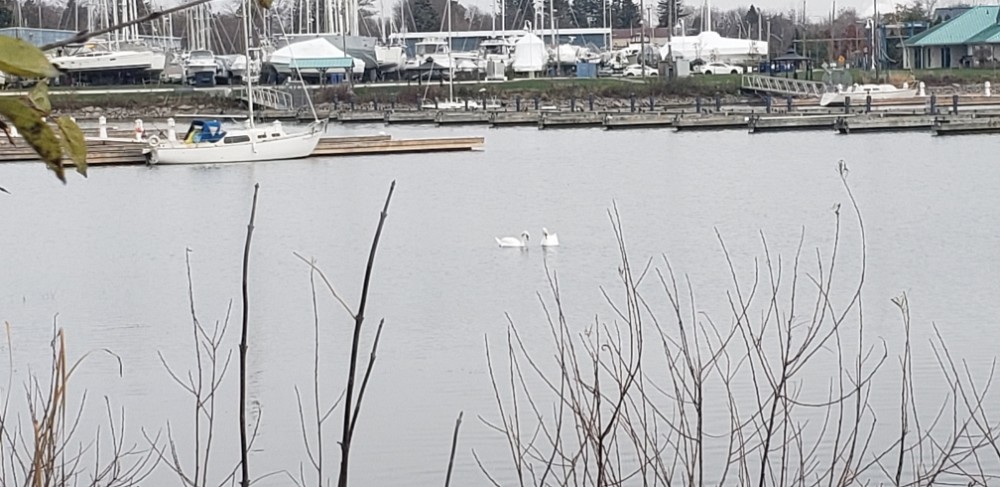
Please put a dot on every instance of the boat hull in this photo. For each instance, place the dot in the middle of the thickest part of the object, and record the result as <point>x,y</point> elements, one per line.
<point>858,97</point>
<point>292,146</point>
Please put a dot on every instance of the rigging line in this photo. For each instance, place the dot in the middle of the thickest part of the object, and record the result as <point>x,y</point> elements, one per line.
<point>291,55</point>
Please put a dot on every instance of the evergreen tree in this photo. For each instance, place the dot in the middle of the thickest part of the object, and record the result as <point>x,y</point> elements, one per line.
<point>625,14</point>
<point>425,18</point>
<point>668,11</point>
<point>589,13</point>
<point>6,15</point>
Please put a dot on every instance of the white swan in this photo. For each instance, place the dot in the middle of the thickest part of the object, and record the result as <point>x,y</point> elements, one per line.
<point>514,241</point>
<point>549,239</point>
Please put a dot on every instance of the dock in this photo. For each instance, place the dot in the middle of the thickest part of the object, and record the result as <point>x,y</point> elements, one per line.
<point>967,126</point>
<point>410,116</point>
<point>710,122</point>
<point>878,123</point>
<point>121,152</point>
<point>550,120</point>
<point>758,123</point>
<point>462,118</point>
<point>500,119</point>
<point>617,121</point>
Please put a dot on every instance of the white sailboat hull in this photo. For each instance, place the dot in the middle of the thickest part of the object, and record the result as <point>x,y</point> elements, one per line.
<point>283,147</point>
<point>859,93</point>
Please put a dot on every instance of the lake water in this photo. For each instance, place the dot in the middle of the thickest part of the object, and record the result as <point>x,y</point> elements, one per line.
<point>105,258</point>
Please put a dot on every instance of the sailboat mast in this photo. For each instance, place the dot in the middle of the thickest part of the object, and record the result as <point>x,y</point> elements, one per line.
<point>247,10</point>
<point>451,61</point>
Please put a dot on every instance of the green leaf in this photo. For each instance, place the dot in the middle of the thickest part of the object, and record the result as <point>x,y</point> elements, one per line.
<point>22,59</point>
<point>39,97</point>
<point>73,143</point>
<point>37,133</point>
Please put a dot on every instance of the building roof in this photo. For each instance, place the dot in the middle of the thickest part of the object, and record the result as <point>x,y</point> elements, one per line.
<point>978,25</point>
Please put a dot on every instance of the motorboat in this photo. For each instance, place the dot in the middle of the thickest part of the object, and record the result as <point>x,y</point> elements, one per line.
<point>200,67</point>
<point>858,93</point>
<point>206,142</point>
<point>100,63</point>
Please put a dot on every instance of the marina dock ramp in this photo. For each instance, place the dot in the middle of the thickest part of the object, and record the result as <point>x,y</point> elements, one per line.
<point>778,86</point>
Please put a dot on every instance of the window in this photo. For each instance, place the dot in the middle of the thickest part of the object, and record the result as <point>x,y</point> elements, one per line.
<point>236,139</point>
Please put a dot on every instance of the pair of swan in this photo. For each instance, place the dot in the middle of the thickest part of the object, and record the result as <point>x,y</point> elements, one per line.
<point>548,240</point>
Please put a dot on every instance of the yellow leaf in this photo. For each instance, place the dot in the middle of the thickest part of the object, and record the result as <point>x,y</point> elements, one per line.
<point>37,133</point>
<point>265,4</point>
<point>39,97</point>
<point>22,59</point>
<point>73,143</point>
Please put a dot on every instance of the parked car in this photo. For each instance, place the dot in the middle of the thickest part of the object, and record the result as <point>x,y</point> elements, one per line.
<point>639,70</point>
<point>719,68</point>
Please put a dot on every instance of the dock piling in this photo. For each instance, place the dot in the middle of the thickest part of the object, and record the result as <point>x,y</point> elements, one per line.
<point>631,100</point>
<point>847,104</point>
<point>788,103</point>
<point>517,103</point>
<point>933,101</point>
<point>767,103</point>
<point>868,104</point>
<point>572,103</point>
<point>652,103</point>
<point>954,104</point>
<point>697,104</point>
<point>987,91</point>
<point>537,101</point>
<point>171,130</point>
<point>718,102</point>
<point>591,101</point>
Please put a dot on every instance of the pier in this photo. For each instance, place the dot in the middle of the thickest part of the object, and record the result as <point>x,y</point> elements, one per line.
<point>123,152</point>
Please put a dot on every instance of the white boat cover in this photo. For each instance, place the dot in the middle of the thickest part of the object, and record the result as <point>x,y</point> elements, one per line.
<point>313,54</point>
<point>710,46</point>
<point>529,54</point>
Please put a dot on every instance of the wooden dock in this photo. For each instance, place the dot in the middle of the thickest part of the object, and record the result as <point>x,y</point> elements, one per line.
<point>710,122</point>
<point>550,120</point>
<point>876,123</point>
<point>462,118</point>
<point>410,116</point>
<point>617,121</point>
<point>760,123</point>
<point>104,153</point>
<point>967,126</point>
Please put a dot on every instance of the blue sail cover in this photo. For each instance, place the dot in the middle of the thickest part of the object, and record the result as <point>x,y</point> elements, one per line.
<point>204,131</point>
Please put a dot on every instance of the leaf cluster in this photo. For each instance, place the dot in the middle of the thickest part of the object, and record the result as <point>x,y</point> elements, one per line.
<point>28,114</point>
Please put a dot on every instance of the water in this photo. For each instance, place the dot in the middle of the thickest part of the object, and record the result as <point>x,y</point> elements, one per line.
<point>105,258</point>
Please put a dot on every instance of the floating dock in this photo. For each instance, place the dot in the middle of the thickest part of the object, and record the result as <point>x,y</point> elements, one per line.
<point>570,120</point>
<point>758,123</point>
<point>616,121</point>
<point>876,123</point>
<point>966,126</point>
<point>711,122</point>
<point>120,152</point>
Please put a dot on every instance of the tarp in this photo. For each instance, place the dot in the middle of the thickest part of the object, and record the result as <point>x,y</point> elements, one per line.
<point>710,46</point>
<point>312,54</point>
<point>529,54</point>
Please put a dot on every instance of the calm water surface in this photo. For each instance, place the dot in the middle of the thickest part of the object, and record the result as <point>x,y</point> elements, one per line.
<point>105,258</point>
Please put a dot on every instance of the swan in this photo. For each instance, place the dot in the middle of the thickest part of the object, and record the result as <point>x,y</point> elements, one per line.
<point>549,239</point>
<point>514,241</point>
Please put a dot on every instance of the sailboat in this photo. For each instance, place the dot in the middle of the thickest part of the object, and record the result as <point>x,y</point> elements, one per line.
<point>206,142</point>
<point>450,104</point>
